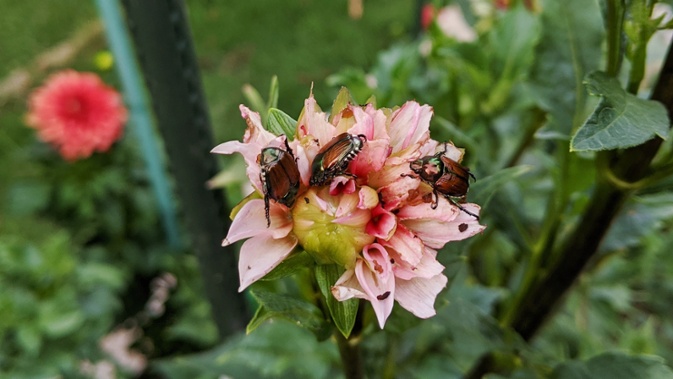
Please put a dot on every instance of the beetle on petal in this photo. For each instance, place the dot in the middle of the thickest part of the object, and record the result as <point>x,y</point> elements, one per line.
<point>332,160</point>
<point>446,176</point>
<point>279,176</point>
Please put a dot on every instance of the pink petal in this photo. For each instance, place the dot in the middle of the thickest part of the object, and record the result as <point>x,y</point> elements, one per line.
<point>313,122</point>
<point>369,198</point>
<point>418,295</point>
<point>444,212</point>
<point>261,254</point>
<point>394,195</point>
<point>302,161</point>
<point>348,287</point>
<point>464,225</point>
<point>435,233</point>
<point>382,224</point>
<point>356,217</point>
<point>426,268</point>
<point>408,246</point>
<point>375,275</point>
<point>255,132</point>
<point>371,158</point>
<point>364,124</point>
<point>251,221</point>
<point>341,184</point>
<point>409,126</point>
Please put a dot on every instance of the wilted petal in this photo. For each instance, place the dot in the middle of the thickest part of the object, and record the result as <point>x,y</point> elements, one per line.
<point>375,275</point>
<point>261,254</point>
<point>418,295</point>
<point>382,224</point>
<point>369,198</point>
<point>397,192</point>
<point>251,221</point>
<point>348,287</point>
<point>255,132</point>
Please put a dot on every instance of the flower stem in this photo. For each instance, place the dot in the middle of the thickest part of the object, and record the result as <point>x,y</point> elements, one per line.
<point>351,359</point>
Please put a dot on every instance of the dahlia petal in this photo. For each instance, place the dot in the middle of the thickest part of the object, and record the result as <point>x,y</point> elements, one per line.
<point>356,217</point>
<point>369,198</point>
<point>251,221</point>
<point>364,124</point>
<point>347,203</point>
<point>302,161</point>
<point>409,247</point>
<point>465,225</point>
<point>348,287</point>
<point>418,295</point>
<point>375,275</point>
<point>313,122</point>
<point>371,158</point>
<point>397,192</point>
<point>261,254</point>
<point>426,268</point>
<point>250,151</point>
<point>341,184</point>
<point>382,224</point>
<point>436,233</point>
<point>255,132</point>
<point>444,212</point>
<point>390,174</point>
<point>409,126</point>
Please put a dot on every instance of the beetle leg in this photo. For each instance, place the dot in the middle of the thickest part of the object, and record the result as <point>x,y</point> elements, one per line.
<point>462,208</point>
<point>409,176</point>
<point>435,202</point>
<point>266,210</point>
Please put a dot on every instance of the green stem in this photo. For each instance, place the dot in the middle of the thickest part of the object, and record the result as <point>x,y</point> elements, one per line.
<point>351,359</point>
<point>614,23</point>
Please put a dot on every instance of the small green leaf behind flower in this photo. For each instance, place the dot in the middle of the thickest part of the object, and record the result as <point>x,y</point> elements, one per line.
<point>343,312</point>
<point>620,119</point>
<point>279,122</point>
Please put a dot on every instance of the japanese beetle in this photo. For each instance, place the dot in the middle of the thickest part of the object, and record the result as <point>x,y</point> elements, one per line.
<point>446,176</point>
<point>332,160</point>
<point>279,176</point>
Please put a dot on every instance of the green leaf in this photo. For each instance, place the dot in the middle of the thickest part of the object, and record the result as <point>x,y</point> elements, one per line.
<point>293,264</point>
<point>273,93</point>
<point>301,313</point>
<point>343,312</point>
<point>280,122</point>
<point>482,190</point>
<point>620,119</point>
<point>614,366</point>
<point>341,101</point>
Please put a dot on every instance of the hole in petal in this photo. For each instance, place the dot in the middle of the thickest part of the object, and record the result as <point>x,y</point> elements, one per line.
<point>462,227</point>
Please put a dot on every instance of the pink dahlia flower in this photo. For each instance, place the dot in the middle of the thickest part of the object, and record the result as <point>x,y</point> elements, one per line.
<point>373,219</point>
<point>77,113</point>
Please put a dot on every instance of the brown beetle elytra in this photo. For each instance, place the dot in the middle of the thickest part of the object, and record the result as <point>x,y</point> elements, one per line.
<point>332,160</point>
<point>279,176</point>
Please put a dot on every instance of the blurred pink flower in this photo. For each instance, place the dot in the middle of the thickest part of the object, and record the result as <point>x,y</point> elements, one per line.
<point>77,113</point>
<point>375,221</point>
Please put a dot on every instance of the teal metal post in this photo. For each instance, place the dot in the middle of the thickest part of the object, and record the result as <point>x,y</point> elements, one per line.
<point>140,118</point>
